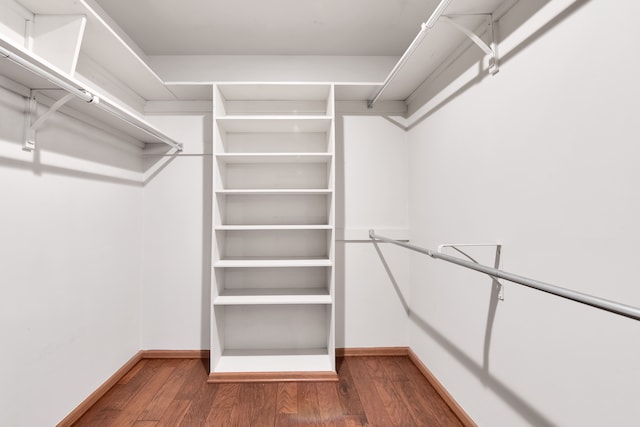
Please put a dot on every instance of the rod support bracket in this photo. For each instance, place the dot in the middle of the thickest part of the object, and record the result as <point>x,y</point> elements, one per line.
<point>499,288</point>
<point>31,125</point>
<point>490,48</point>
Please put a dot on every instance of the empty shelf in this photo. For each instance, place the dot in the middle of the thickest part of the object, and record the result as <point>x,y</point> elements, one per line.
<point>273,296</point>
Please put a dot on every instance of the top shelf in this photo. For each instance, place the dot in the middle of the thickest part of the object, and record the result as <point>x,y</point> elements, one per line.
<point>274,92</point>
<point>110,113</point>
<point>278,99</point>
<point>106,46</point>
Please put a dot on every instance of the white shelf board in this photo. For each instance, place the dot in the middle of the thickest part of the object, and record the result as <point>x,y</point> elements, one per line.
<point>106,45</point>
<point>274,91</point>
<point>30,80</point>
<point>273,296</point>
<point>273,227</point>
<point>287,360</point>
<point>275,262</point>
<point>274,157</point>
<point>271,191</point>
<point>274,124</point>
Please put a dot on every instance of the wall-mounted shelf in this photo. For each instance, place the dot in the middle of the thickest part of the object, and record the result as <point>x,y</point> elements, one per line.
<point>48,80</point>
<point>73,45</point>
<point>106,46</point>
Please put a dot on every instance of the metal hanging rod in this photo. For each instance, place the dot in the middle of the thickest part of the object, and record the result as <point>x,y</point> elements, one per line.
<point>424,28</point>
<point>603,304</point>
<point>90,98</point>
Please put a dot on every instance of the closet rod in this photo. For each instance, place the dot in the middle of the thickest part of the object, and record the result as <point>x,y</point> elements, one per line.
<point>87,96</point>
<point>80,93</point>
<point>603,304</point>
<point>424,28</point>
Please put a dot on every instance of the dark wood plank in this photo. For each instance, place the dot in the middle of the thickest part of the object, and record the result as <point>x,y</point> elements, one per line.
<point>419,388</point>
<point>415,404</point>
<point>329,403</point>
<point>201,399</point>
<point>133,372</point>
<point>367,390</point>
<point>174,414</point>
<point>393,404</point>
<point>256,405</point>
<point>193,381</point>
<point>168,391</point>
<point>349,397</point>
<point>222,407</point>
<point>286,420</point>
<point>287,398</point>
<point>108,408</point>
<point>392,369</point>
<point>264,406</point>
<point>132,410</point>
<point>286,404</point>
<point>371,391</point>
<point>308,409</point>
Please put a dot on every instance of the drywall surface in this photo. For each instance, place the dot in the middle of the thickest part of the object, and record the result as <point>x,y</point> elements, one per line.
<point>542,158</point>
<point>70,256</point>
<point>371,192</point>
<point>177,247</point>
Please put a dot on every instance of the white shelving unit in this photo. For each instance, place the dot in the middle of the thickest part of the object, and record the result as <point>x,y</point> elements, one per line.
<point>273,245</point>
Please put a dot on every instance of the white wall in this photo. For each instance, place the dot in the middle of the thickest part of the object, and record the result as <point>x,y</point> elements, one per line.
<point>372,192</point>
<point>543,158</point>
<point>70,256</point>
<point>177,247</point>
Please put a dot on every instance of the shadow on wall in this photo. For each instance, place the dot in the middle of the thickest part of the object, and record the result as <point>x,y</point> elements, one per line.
<point>437,85</point>
<point>507,395</point>
<point>66,147</point>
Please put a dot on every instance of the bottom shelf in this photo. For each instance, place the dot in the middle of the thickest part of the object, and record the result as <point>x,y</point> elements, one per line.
<point>274,365</point>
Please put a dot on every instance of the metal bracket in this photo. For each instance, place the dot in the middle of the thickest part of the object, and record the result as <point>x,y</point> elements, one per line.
<point>32,126</point>
<point>496,263</point>
<point>490,49</point>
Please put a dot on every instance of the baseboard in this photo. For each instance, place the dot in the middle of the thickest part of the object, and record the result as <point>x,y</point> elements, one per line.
<point>464,418</point>
<point>372,351</point>
<point>271,377</point>
<point>175,354</point>
<point>84,406</point>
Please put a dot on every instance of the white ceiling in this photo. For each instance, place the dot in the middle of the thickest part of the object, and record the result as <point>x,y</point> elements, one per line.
<point>270,27</point>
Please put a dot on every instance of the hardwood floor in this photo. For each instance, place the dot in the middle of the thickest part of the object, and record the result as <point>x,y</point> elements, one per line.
<point>371,391</point>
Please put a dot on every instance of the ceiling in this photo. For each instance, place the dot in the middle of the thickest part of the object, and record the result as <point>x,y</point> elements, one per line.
<point>270,27</point>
